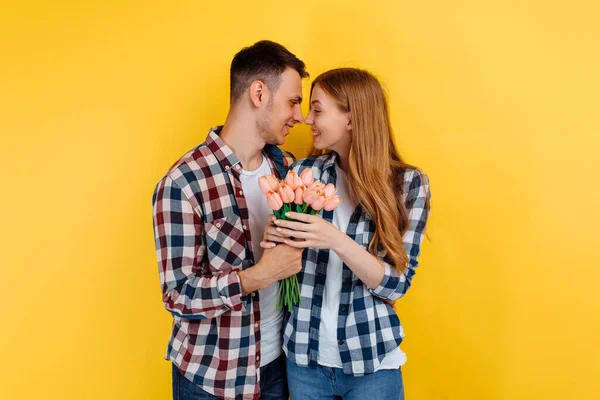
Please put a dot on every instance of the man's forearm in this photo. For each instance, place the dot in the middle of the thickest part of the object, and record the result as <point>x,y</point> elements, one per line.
<point>253,279</point>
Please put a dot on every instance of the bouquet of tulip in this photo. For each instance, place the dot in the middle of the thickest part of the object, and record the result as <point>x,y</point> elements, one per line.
<point>301,194</point>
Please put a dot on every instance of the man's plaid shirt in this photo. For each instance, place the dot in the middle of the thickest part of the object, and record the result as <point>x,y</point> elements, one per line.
<point>202,237</point>
<point>368,328</point>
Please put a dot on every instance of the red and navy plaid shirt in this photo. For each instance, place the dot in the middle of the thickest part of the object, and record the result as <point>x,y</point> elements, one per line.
<point>202,236</point>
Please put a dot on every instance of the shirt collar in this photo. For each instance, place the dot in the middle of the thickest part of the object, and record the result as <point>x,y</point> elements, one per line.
<point>229,160</point>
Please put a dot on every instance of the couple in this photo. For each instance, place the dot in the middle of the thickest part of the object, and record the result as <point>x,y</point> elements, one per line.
<point>221,254</point>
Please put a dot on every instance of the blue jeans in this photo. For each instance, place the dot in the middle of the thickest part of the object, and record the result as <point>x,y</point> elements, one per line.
<point>325,383</point>
<point>273,384</point>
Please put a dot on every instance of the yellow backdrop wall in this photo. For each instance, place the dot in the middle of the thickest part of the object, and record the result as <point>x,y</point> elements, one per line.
<point>496,100</point>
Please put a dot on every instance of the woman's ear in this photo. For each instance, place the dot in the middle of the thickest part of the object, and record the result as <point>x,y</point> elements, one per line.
<point>349,123</point>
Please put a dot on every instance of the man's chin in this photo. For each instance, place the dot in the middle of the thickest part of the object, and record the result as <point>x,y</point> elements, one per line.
<point>278,141</point>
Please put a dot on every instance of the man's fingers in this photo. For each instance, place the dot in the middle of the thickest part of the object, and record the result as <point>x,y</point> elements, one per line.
<point>300,244</point>
<point>276,238</point>
<point>267,245</point>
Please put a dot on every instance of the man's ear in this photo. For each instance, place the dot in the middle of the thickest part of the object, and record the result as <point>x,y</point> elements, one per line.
<point>257,93</point>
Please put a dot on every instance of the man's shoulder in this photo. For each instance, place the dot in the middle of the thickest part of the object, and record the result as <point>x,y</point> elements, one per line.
<point>288,157</point>
<point>191,167</point>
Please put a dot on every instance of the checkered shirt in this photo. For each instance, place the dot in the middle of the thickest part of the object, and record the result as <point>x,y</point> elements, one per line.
<point>202,238</point>
<point>368,328</point>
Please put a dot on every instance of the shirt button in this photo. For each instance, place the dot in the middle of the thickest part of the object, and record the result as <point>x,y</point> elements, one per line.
<point>240,193</point>
<point>257,358</point>
<point>253,294</point>
<point>227,168</point>
<point>340,342</point>
<point>218,224</point>
<point>256,325</point>
<point>245,227</point>
<point>237,166</point>
<point>343,308</point>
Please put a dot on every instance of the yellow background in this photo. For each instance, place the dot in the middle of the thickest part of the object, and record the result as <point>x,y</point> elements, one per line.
<point>496,101</point>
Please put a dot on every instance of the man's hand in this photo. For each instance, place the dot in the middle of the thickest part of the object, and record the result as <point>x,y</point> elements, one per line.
<point>275,264</point>
<point>271,236</point>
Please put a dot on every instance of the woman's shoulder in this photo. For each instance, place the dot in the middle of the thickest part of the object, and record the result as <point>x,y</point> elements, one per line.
<point>412,178</point>
<point>315,162</point>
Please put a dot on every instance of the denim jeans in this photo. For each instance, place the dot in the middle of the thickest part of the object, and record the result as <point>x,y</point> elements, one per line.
<point>273,384</point>
<point>325,383</point>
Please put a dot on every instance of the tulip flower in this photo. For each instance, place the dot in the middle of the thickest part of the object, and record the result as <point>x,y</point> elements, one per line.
<point>315,185</point>
<point>332,203</point>
<point>268,183</point>
<point>286,193</point>
<point>298,198</point>
<point>274,201</point>
<point>310,195</point>
<point>307,177</point>
<point>293,180</point>
<point>319,202</point>
<point>329,190</point>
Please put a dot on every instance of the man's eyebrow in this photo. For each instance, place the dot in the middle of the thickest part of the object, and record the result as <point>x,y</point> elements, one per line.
<point>297,98</point>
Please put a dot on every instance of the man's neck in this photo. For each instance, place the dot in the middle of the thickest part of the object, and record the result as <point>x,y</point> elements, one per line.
<point>241,136</point>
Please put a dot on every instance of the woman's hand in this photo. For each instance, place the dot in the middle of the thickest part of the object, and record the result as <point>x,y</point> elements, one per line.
<point>312,231</point>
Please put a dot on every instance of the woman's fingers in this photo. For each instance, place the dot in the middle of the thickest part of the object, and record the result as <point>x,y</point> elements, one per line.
<point>301,217</point>
<point>291,233</point>
<point>296,226</point>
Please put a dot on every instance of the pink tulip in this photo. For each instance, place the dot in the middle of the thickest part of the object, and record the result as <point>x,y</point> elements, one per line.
<point>307,177</point>
<point>319,202</point>
<point>315,185</point>
<point>268,183</point>
<point>286,193</point>
<point>298,199</point>
<point>273,180</point>
<point>274,201</point>
<point>332,203</point>
<point>293,180</point>
<point>310,195</point>
<point>329,190</point>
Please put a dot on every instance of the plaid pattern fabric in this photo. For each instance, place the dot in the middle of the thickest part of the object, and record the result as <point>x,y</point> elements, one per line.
<point>368,328</point>
<point>202,238</point>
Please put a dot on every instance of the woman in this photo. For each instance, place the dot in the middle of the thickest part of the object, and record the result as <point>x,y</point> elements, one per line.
<point>341,340</point>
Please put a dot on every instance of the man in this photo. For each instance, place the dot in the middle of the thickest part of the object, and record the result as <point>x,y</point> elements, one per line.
<point>209,218</point>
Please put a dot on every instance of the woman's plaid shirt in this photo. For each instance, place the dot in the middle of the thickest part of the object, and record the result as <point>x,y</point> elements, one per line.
<point>368,328</point>
<point>202,237</point>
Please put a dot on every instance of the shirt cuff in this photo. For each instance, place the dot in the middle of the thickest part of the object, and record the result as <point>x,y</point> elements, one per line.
<point>230,290</point>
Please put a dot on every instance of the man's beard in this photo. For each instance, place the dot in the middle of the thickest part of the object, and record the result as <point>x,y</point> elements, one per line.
<point>263,126</point>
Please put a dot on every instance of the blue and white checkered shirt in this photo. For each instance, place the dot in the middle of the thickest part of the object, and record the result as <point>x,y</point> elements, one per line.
<point>368,327</point>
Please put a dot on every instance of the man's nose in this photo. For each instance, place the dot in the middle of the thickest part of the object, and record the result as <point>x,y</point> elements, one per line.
<point>298,115</point>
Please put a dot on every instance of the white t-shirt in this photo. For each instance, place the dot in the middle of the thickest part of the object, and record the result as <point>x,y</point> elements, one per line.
<point>271,319</point>
<point>329,353</point>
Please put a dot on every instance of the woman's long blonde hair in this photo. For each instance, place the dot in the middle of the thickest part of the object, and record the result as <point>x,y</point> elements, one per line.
<point>374,164</point>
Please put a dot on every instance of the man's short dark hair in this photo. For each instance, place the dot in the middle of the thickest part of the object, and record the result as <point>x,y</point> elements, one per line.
<point>264,61</point>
